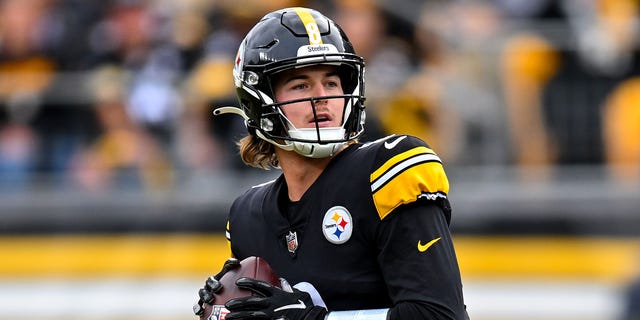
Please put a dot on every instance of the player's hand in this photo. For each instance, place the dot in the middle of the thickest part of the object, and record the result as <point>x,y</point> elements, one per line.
<point>212,285</point>
<point>272,302</point>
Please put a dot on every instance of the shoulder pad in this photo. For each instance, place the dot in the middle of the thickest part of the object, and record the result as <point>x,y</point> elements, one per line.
<point>406,170</point>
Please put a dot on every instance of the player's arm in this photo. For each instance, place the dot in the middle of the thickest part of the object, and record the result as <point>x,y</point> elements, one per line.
<point>410,193</point>
<point>419,263</point>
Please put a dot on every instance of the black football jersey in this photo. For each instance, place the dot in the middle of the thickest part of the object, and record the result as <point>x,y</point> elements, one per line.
<point>371,232</point>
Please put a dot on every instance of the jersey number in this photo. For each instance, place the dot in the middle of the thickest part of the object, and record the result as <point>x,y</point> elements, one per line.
<point>314,33</point>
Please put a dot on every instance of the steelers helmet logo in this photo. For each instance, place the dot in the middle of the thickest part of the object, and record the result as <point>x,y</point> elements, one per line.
<point>337,225</point>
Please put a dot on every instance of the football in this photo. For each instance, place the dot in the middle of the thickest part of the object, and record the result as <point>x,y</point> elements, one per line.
<point>251,267</point>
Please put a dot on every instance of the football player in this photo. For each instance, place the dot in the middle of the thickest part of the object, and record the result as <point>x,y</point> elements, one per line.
<point>366,225</point>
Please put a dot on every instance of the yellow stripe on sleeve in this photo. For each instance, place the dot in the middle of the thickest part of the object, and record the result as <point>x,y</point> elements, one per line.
<point>403,178</point>
<point>399,159</point>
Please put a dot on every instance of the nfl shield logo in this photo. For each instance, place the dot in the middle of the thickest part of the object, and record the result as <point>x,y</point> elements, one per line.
<point>219,312</point>
<point>292,241</point>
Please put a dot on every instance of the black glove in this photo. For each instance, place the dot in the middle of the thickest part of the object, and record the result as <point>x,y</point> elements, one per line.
<point>273,303</point>
<point>212,285</point>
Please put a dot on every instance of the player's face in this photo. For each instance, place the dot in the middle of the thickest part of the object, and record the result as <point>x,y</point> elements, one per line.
<point>313,81</point>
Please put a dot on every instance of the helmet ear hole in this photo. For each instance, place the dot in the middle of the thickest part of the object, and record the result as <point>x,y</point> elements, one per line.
<point>266,124</point>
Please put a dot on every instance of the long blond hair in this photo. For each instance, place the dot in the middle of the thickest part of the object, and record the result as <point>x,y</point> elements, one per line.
<point>258,153</point>
<point>261,154</point>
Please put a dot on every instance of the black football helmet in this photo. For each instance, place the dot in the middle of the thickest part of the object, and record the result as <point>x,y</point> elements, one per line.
<point>294,38</point>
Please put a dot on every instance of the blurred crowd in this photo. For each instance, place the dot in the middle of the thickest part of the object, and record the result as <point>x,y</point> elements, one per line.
<point>100,94</point>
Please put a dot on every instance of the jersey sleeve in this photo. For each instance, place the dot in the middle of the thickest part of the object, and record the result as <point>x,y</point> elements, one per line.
<point>406,170</point>
<point>418,260</point>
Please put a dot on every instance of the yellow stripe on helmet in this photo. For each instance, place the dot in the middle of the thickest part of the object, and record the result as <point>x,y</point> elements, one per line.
<point>310,25</point>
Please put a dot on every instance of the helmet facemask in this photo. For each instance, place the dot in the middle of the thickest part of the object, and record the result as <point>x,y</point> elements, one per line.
<point>316,141</point>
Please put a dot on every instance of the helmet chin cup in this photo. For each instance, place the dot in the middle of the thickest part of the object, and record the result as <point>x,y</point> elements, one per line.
<point>312,148</point>
<point>317,135</point>
<point>307,149</point>
<point>316,150</point>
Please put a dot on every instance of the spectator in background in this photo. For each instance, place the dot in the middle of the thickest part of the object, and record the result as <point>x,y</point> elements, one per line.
<point>158,44</point>
<point>18,145</point>
<point>621,110</point>
<point>199,147</point>
<point>25,72</point>
<point>418,107</point>
<point>556,89</point>
<point>207,89</point>
<point>25,67</point>
<point>528,61</point>
<point>124,156</point>
<point>621,116</point>
<point>603,57</point>
<point>451,98</point>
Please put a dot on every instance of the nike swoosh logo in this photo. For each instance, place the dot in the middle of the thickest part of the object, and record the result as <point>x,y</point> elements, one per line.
<point>391,145</point>
<point>299,305</point>
<point>424,247</point>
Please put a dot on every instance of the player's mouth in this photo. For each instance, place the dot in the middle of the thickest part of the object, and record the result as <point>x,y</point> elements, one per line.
<point>323,119</point>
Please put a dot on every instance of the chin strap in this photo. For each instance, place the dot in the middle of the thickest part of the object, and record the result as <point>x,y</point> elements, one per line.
<point>316,150</point>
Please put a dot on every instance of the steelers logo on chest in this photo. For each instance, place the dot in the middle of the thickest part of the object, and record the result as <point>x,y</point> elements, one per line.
<point>337,225</point>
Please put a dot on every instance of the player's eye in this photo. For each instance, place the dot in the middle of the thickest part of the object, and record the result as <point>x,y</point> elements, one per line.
<point>333,84</point>
<point>298,86</point>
